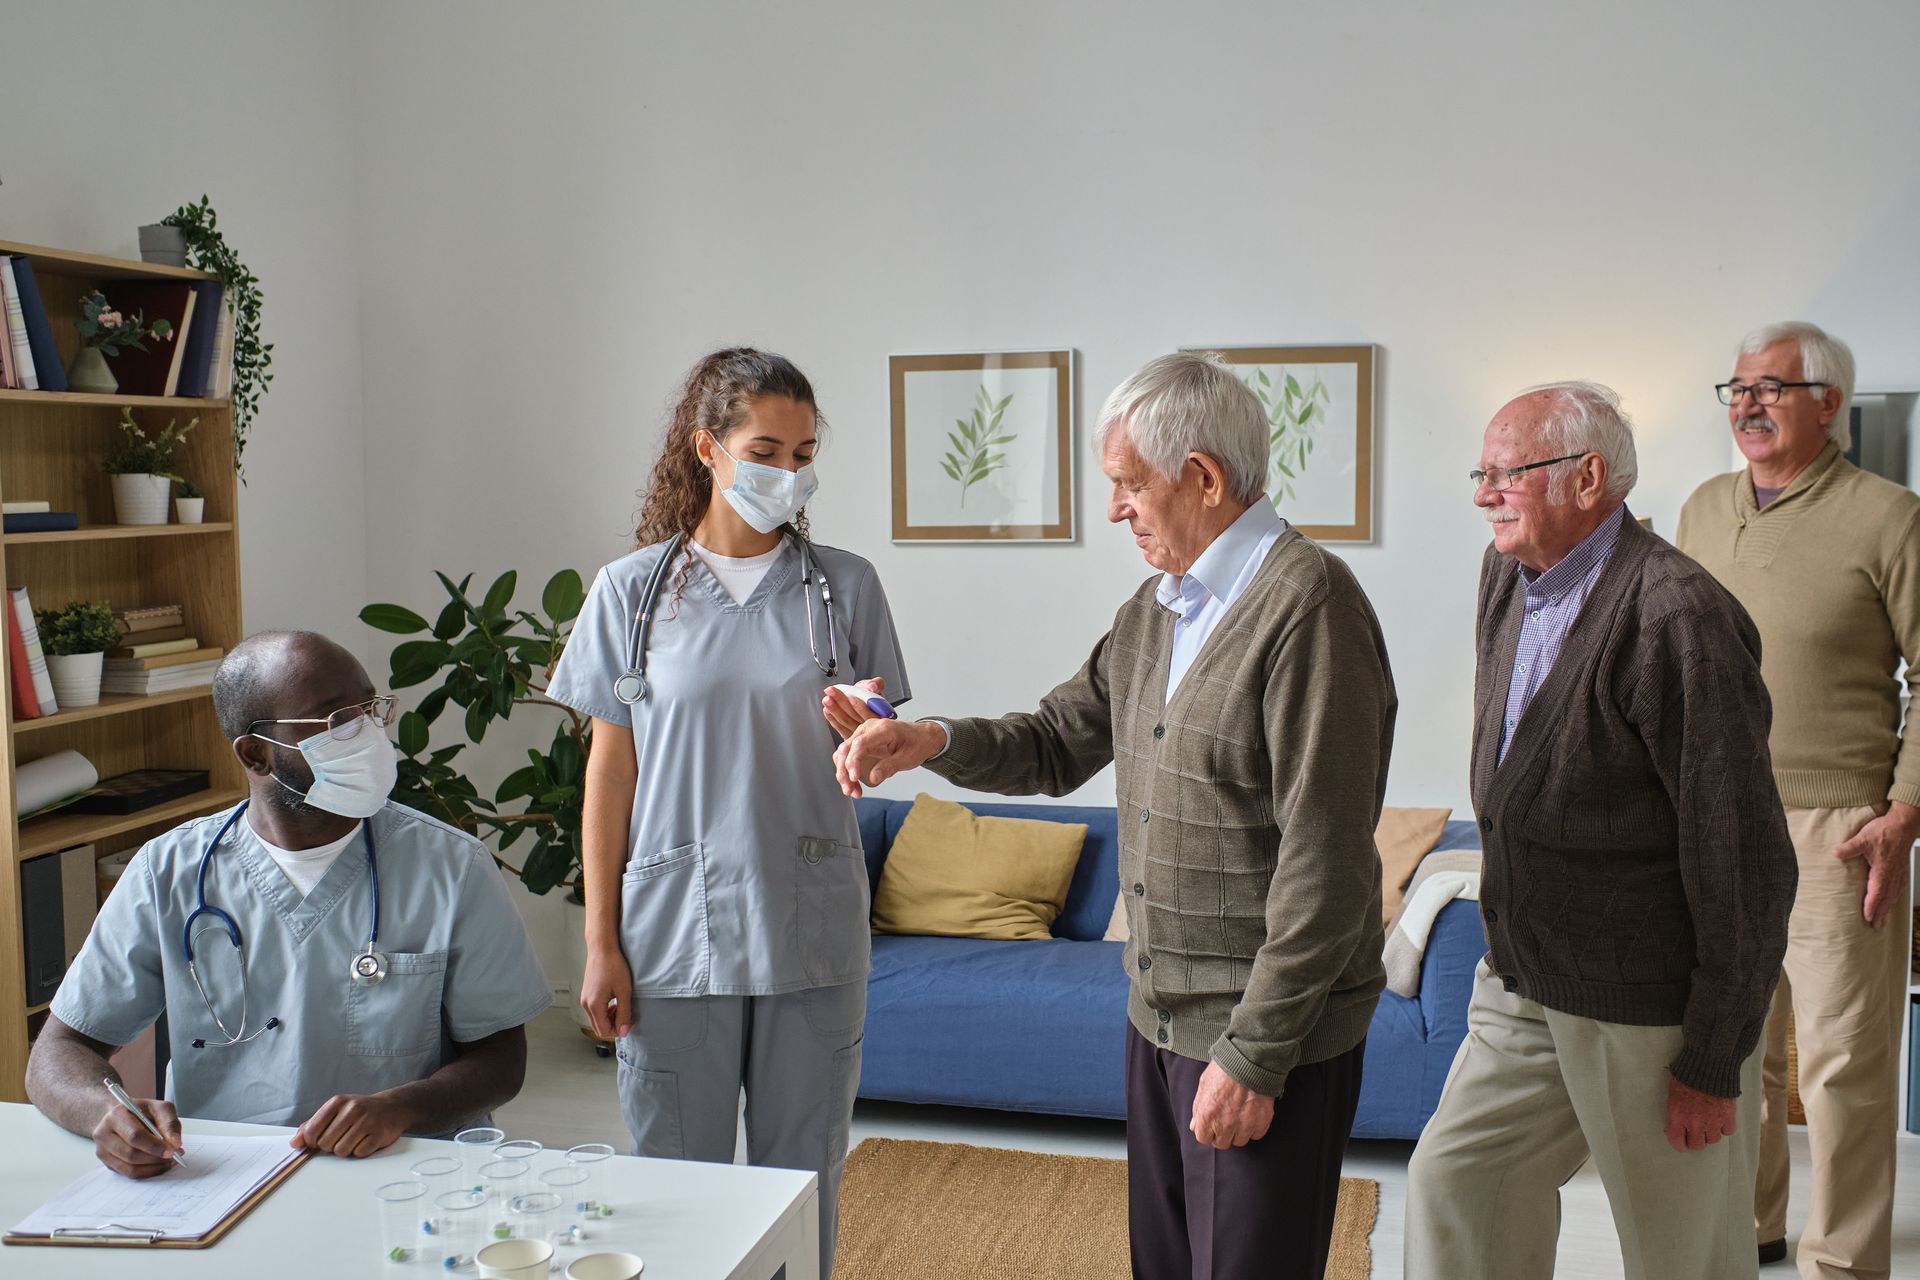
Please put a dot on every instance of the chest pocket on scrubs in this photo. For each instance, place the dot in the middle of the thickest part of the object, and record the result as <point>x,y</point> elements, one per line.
<point>831,880</point>
<point>663,922</point>
<point>399,1016</point>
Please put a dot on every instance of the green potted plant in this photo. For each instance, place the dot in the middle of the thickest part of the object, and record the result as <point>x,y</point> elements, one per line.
<point>142,470</point>
<point>207,250</point>
<point>190,505</point>
<point>105,332</point>
<point>76,638</point>
<point>486,659</point>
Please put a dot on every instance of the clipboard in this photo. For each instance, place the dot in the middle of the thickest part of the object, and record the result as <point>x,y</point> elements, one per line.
<point>108,1236</point>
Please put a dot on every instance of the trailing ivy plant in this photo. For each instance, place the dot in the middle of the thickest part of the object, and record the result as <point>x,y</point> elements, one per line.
<point>488,658</point>
<point>208,251</point>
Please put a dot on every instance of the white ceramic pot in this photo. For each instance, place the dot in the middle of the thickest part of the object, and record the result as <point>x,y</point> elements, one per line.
<point>141,499</point>
<point>190,510</point>
<point>76,681</point>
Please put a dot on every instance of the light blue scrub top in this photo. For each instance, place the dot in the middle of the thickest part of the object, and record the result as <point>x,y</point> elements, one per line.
<point>460,965</point>
<point>744,873</point>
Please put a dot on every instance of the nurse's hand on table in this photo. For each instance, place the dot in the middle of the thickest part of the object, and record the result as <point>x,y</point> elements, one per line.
<point>349,1124</point>
<point>124,1145</point>
<point>880,748</point>
<point>606,993</point>
<point>843,713</point>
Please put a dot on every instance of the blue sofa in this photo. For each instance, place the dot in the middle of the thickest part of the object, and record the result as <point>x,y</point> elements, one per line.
<point>1040,1026</point>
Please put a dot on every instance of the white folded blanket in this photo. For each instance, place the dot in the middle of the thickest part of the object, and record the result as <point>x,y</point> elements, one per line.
<point>1442,877</point>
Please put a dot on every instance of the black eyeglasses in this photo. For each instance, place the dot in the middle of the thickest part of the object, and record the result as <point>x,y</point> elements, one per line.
<point>1500,479</point>
<point>1765,391</point>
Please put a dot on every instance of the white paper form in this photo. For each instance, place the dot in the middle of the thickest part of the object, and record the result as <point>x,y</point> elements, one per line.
<point>179,1204</point>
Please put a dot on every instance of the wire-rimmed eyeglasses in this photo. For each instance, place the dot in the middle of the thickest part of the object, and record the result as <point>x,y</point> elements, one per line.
<point>1500,479</point>
<point>1765,391</point>
<point>346,722</point>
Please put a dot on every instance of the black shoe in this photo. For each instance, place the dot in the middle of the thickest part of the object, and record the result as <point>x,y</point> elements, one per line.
<point>1773,1251</point>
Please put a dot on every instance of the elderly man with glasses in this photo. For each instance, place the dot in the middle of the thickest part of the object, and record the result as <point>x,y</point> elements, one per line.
<point>1637,878</point>
<point>325,958</point>
<point>1826,557</point>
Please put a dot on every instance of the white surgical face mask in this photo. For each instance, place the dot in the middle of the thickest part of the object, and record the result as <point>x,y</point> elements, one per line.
<point>767,497</point>
<point>351,776</point>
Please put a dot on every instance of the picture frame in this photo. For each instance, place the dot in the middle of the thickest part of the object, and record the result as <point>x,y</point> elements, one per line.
<point>983,446</point>
<point>1320,412</point>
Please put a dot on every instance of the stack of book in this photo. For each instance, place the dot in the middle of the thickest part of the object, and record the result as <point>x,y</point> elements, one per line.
<point>158,617</point>
<point>159,673</point>
<point>35,517</point>
<point>196,362</point>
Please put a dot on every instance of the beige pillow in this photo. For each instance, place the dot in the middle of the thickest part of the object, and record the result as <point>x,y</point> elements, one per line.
<point>956,875</point>
<point>1404,836</point>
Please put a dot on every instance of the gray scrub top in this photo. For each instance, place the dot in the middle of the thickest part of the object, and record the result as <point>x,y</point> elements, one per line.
<point>744,872</point>
<point>460,965</point>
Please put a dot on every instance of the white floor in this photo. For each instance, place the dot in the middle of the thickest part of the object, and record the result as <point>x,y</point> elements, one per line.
<point>570,1098</point>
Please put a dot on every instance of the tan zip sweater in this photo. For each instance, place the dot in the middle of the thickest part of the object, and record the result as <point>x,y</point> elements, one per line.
<point>1830,572</point>
<point>1247,807</point>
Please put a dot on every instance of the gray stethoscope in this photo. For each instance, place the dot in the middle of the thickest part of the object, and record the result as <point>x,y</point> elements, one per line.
<point>631,685</point>
<point>366,968</point>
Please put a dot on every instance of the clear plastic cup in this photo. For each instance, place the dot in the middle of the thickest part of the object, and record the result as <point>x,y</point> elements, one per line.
<point>440,1173</point>
<point>535,1215</point>
<point>403,1212</point>
<point>459,1224</point>
<point>591,1156</point>
<point>519,1149</point>
<point>500,1181</point>
<point>475,1146</point>
<point>569,1182</point>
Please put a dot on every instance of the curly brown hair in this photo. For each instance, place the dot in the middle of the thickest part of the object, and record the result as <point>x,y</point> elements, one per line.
<point>716,398</point>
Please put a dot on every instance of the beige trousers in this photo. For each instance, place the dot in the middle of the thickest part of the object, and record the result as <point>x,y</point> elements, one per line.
<point>1532,1095</point>
<point>1846,983</point>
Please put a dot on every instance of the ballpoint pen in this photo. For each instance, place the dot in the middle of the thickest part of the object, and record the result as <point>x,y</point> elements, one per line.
<point>122,1097</point>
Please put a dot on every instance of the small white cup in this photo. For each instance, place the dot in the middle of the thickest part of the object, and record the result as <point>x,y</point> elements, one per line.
<point>605,1266</point>
<point>515,1259</point>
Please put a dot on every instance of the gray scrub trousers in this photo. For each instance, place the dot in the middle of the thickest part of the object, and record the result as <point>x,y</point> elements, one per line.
<point>744,904</point>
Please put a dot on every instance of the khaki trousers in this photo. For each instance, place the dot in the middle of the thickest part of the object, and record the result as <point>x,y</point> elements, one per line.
<point>1532,1095</point>
<point>1846,984</point>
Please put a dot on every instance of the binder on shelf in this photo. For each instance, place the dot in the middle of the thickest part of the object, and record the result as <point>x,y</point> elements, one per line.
<point>196,361</point>
<point>46,356</point>
<point>43,927</point>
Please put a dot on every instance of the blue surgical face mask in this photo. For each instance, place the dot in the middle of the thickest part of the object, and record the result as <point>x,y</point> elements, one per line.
<point>767,497</point>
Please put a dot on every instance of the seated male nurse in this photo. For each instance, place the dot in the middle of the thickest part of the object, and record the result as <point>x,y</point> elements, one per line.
<point>326,959</point>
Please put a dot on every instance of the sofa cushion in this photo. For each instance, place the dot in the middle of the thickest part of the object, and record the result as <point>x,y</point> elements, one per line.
<point>1022,1026</point>
<point>1404,837</point>
<point>951,873</point>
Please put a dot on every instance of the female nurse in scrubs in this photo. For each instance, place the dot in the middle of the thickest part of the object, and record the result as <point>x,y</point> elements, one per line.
<point>727,909</point>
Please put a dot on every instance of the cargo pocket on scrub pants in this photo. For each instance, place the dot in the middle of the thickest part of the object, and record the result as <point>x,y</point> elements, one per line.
<point>831,887</point>
<point>663,922</point>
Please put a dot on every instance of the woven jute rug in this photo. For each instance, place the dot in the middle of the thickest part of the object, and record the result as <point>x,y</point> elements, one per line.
<point>940,1210</point>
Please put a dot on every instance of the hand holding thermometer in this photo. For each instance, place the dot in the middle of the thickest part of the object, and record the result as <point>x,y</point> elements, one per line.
<point>870,700</point>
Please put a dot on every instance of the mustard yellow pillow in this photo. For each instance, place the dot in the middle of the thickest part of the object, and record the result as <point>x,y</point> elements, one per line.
<point>955,875</point>
<point>1404,837</point>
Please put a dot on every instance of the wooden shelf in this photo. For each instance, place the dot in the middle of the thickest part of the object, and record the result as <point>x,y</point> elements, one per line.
<point>58,831</point>
<point>36,1009</point>
<point>111,704</point>
<point>67,262</point>
<point>109,532</point>
<point>73,399</point>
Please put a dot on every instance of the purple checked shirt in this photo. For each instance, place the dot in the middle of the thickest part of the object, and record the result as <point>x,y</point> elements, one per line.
<point>1553,602</point>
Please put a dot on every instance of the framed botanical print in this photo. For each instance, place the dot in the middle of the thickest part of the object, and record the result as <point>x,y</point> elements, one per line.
<point>983,446</point>
<point>1319,407</point>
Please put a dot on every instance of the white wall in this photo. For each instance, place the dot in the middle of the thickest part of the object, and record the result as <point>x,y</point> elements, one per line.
<point>118,113</point>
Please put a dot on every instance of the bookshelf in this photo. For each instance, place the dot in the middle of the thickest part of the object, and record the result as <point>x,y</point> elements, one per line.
<point>51,444</point>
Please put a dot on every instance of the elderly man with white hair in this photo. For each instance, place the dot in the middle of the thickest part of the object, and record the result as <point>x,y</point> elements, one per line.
<point>1637,878</point>
<point>1826,557</point>
<point>1244,696</point>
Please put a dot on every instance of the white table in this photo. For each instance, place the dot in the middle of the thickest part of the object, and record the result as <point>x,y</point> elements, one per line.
<point>687,1221</point>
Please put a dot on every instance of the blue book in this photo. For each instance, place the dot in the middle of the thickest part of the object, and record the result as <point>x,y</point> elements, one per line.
<point>46,356</point>
<point>196,362</point>
<point>40,522</point>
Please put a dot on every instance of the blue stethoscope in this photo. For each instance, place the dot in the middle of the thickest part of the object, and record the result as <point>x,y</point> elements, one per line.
<point>367,967</point>
<point>630,686</point>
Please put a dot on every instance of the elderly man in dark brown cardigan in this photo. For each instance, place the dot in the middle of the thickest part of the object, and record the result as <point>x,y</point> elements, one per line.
<point>1244,697</point>
<point>1638,878</point>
